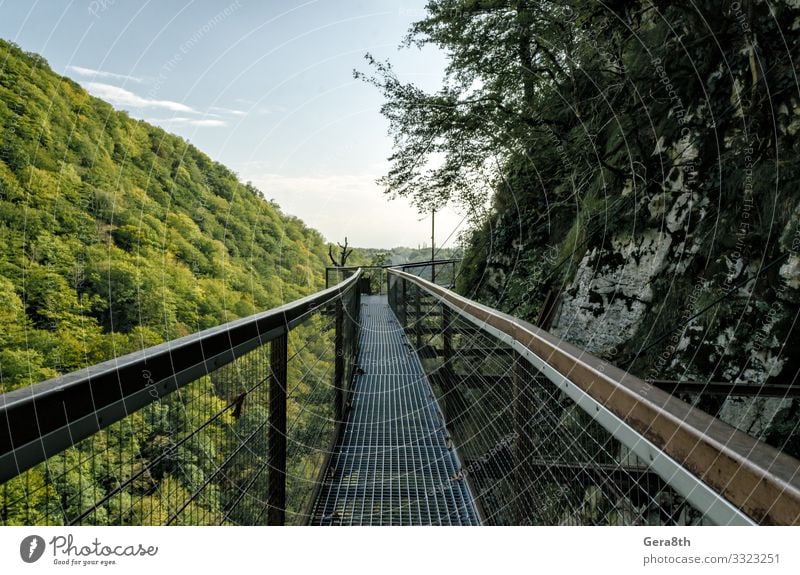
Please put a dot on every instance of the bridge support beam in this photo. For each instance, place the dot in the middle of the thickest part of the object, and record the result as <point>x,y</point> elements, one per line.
<point>276,498</point>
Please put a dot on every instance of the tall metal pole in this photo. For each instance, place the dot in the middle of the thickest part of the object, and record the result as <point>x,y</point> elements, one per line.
<point>433,243</point>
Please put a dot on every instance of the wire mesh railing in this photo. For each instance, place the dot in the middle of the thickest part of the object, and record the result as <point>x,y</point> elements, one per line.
<point>550,435</point>
<point>232,425</point>
<point>440,272</point>
<point>239,425</point>
<point>374,279</point>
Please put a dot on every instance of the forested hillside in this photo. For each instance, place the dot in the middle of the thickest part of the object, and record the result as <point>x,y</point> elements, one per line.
<point>641,160</point>
<point>115,234</point>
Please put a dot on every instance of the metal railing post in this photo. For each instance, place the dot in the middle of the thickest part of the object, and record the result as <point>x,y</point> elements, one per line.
<point>404,303</point>
<point>355,331</point>
<point>351,325</point>
<point>338,370</point>
<point>522,441</point>
<point>276,514</point>
<point>447,336</point>
<point>418,316</point>
<point>448,392</point>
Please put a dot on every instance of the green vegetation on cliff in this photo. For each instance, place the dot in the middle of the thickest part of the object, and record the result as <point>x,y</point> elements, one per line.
<point>641,158</point>
<point>116,235</point>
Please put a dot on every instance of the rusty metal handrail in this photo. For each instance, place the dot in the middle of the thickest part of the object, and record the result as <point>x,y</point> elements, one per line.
<point>727,473</point>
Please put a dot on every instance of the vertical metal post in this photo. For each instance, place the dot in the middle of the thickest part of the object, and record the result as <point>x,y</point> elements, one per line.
<point>523,441</point>
<point>418,317</point>
<point>404,301</point>
<point>433,241</point>
<point>355,331</point>
<point>447,371</point>
<point>338,369</point>
<point>447,335</point>
<point>276,501</point>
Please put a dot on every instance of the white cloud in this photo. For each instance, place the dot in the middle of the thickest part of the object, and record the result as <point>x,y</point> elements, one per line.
<point>125,98</point>
<point>89,72</point>
<point>202,122</point>
<point>228,111</point>
<point>353,205</point>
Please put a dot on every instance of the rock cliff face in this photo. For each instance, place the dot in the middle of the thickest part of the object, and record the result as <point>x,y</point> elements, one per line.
<point>651,302</point>
<point>685,265</point>
<point>612,290</point>
<point>621,290</point>
<point>655,302</point>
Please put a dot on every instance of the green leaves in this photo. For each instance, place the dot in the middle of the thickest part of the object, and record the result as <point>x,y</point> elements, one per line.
<point>116,236</point>
<point>110,225</point>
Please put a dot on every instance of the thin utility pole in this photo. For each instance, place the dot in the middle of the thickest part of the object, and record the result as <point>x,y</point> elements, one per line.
<point>433,243</point>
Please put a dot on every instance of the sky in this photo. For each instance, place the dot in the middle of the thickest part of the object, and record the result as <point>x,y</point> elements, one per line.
<point>265,87</point>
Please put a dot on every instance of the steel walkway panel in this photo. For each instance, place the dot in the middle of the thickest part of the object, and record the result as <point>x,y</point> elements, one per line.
<point>393,464</point>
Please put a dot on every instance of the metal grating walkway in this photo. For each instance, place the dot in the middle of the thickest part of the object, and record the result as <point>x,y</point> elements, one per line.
<point>392,465</point>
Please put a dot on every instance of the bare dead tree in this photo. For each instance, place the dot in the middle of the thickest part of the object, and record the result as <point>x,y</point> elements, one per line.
<point>344,253</point>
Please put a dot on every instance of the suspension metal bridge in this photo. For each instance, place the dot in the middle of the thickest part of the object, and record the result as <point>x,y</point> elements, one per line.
<point>386,399</point>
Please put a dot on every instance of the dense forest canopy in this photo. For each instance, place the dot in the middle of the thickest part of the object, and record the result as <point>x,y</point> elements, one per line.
<point>399,255</point>
<point>115,234</point>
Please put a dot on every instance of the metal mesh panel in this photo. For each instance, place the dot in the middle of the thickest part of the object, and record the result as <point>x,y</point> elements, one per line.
<point>163,464</point>
<point>199,455</point>
<point>392,411</point>
<point>530,454</point>
<point>394,464</point>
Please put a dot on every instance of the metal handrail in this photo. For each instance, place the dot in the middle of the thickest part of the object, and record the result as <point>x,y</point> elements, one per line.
<point>381,269</point>
<point>731,476</point>
<point>424,263</point>
<point>44,419</point>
